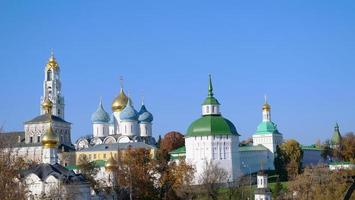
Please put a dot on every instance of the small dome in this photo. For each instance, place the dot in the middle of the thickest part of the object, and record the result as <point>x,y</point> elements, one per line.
<point>145,115</point>
<point>100,115</point>
<point>47,105</point>
<point>120,102</point>
<point>112,119</point>
<point>111,164</point>
<point>129,113</point>
<point>266,106</point>
<point>52,63</point>
<point>50,139</point>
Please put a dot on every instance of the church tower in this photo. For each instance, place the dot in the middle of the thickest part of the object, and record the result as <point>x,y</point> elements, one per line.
<point>53,88</point>
<point>262,191</point>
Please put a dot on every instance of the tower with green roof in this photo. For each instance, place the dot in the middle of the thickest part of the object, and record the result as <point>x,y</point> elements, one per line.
<point>336,137</point>
<point>213,139</point>
<point>267,133</point>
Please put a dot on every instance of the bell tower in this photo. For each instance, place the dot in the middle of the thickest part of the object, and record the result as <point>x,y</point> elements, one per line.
<point>52,87</point>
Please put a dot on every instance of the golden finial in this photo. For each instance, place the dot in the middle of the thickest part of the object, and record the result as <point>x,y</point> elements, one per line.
<point>50,139</point>
<point>52,63</point>
<point>47,105</point>
<point>266,105</point>
<point>120,102</point>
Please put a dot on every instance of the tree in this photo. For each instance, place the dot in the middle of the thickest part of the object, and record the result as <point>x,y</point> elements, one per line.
<point>326,150</point>
<point>276,193</point>
<point>348,147</point>
<point>135,172</point>
<point>10,168</point>
<point>319,183</point>
<point>171,141</point>
<point>89,170</point>
<point>280,164</point>
<point>292,154</point>
<point>211,179</point>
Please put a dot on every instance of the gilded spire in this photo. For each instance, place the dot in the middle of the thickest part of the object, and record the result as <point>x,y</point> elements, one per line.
<point>47,105</point>
<point>266,105</point>
<point>52,63</point>
<point>210,87</point>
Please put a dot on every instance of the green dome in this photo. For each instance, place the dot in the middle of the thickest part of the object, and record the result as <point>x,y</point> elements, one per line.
<point>210,100</point>
<point>267,128</point>
<point>211,125</point>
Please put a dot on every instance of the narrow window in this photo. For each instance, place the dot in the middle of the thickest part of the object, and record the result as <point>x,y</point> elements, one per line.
<point>212,109</point>
<point>31,139</point>
<point>207,109</point>
<point>38,138</point>
<point>49,75</point>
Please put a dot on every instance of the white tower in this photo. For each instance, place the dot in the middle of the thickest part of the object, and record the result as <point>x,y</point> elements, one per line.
<point>267,133</point>
<point>52,86</point>
<point>262,191</point>
<point>213,139</point>
<point>145,121</point>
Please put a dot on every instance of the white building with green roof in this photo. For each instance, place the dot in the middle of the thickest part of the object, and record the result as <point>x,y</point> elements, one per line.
<point>213,139</point>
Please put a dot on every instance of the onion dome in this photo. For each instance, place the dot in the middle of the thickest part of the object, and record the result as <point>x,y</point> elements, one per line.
<point>50,139</point>
<point>100,115</point>
<point>145,115</point>
<point>47,105</point>
<point>112,119</point>
<point>52,63</point>
<point>210,99</point>
<point>211,125</point>
<point>129,113</point>
<point>111,164</point>
<point>120,102</point>
<point>336,137</point>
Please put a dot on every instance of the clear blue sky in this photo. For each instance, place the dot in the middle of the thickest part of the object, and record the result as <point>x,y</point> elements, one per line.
<point>300,53</point>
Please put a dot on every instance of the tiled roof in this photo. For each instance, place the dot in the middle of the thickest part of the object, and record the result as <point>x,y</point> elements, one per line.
<point>46,118</point>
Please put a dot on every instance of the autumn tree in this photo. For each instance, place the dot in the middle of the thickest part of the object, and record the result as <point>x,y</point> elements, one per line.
<point>211,179</point>
<point>10,168</point>
<point>319,183</point>
<point>171,141</point>
<point>135,172</point>
<point>348,147</point>
<point>292,154</point>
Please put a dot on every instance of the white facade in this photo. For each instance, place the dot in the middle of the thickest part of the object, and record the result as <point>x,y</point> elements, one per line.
<point>219,150</point>
<point>262,192</point>
<point>100,129</point>
<point>270,141</point>
<point>34,131</point>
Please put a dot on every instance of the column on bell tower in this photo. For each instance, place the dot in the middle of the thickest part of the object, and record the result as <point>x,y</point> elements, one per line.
<point>52,87</point>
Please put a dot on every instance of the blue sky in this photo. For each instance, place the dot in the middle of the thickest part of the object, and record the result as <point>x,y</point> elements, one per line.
<point>299,53</point>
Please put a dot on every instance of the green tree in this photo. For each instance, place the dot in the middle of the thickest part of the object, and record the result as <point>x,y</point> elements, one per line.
<point>280,164</point>
<point>89,170</point>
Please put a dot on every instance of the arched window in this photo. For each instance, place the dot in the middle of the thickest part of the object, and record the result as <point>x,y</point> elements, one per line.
<point>49,75</point>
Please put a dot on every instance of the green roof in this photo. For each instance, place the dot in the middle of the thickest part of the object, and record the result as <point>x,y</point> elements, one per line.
<point>267,128</point>
<point>211,125</point>
<point>340,163</point>
<point>253,148</point>
<point>180,150</point>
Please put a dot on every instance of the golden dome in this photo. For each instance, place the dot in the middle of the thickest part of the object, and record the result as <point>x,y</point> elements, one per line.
<point>111,163</point>
<point>52,63</point>
<point>266,106</point>
<point>120,102</point>
<point>50,139</point>
<point>47,105</point>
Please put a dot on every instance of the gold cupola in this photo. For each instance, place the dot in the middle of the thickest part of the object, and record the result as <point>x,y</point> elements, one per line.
<point>47,105</point>
<point>50,139</point>
<point>266,106</point>
<point>52,63</point>
<point>111,164</point>
<point>120,102</point>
